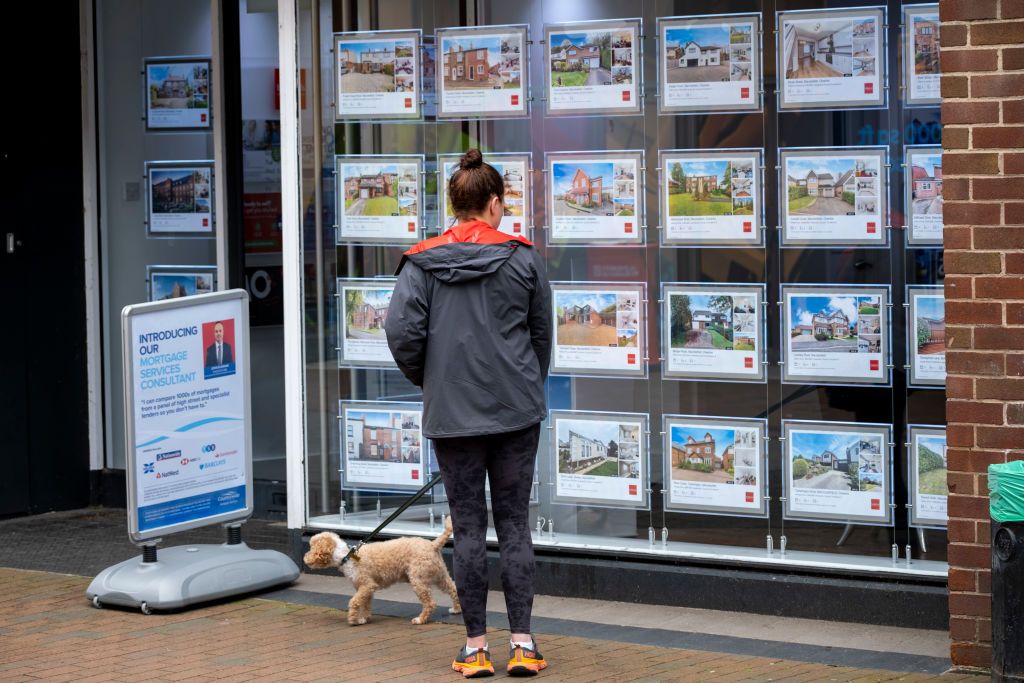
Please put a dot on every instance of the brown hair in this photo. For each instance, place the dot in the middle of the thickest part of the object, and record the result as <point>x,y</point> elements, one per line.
<point>473,184</point>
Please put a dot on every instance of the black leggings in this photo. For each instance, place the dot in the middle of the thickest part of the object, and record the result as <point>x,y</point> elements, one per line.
<point>508,461</point>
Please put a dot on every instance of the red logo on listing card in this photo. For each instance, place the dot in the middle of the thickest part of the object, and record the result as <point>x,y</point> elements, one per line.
<point>748,226</point>
<point>872,228</point>
<point>408,103</point>
<point>632,489</point>
<point>415,474</point>
<point>515,100</point>
<point>874,365</point>
<point>631,358</point>
<point>876,504</point>
<point>869,88</point>
<point>748,362</point>
<point>629,227</point>
<point>625,96</point>
<point>202,118</point>
<point>744,93</point>
<point>412,227</point>
<point>517,227</point>
<point>750,497</point>
<point>206,222</point>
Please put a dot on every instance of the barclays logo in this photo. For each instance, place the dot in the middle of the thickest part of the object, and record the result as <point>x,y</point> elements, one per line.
<point>213,463</point>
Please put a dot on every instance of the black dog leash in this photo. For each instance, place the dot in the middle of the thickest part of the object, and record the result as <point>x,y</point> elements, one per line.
<point>392,517</point>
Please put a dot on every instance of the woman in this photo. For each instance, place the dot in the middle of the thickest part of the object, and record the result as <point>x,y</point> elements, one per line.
<point>469,322</point>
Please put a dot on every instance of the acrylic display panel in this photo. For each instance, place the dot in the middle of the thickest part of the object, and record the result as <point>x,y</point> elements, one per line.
<point>599,329</point>
<point>713,331</point>
<point>362,312</point>
<point>179,199</point>
<point>595,197</point>
<point>712,198</point>
<point>922,187</point>
<point>926,336</point>
<point>834,196</point>
<point>177,93</point>
<point>831,59</point>
<point>383,445</point>
<point>377,75</point>
<point>172,282</point>
<point>380,199</point>
<point>515,171</point>
<point>483,72</point>
<point>836,334</point>
<point>709,64</point>
<point>600,459</point>
<point>837,472</point>
<point>921,72</point>
<point>715,465</point>
<point>927,465</point>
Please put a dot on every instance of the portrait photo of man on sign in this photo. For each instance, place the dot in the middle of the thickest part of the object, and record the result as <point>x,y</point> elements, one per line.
<point>219,341</point>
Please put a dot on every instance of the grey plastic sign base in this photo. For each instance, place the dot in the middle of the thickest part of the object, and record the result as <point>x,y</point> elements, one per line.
<point>190,574</point>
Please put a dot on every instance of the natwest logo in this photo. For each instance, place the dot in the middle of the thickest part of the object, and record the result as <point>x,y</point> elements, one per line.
<point>168,473</point>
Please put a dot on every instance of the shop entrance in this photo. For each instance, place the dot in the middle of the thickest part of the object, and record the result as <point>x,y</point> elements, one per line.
<point>44,447</point>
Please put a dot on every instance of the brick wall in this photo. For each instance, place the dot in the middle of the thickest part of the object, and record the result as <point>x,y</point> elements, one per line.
<point>983,165</point>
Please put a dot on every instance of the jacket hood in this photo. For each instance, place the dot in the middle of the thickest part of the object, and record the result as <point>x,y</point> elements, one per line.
<point>466,252</point>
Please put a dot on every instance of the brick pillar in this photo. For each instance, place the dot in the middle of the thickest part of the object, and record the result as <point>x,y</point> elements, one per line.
<point>982,61</point>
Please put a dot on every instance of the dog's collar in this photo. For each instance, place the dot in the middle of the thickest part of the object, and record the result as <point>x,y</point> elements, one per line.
<point>342,552</point>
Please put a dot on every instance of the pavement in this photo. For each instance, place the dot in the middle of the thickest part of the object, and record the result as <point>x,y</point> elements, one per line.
<point>49,631</point>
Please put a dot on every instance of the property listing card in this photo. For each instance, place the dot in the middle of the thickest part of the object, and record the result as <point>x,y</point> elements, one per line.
<point>710,63</point>
<point>713,331</point>
<point>835,334</point>
<point>599,328</point>
<point>600,458</point>
<point>593,67</point>
<point>514,170</point>
<point>711,198</point>
<point>377,75</point>
<point>921,54</point>
<point>834,196</point>
<point>837,471</point>
<point>180,198</point>
<point>926,329</point>
<point>363,312</point>
<point>177,94</point>
<point>714,464</point>
<point>378,199</point>
<point>928,468</point>
<point>383,445</point>
<point>922,177</point>
<point>482,71</point>
<point>593,198</point>
<point>831,58</point>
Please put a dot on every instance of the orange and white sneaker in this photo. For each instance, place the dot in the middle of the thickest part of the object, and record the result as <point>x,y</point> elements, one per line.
<point>476,664</point>
<point>525,659</point>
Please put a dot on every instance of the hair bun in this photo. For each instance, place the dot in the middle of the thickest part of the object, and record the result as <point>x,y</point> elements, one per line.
<point>471,159</point>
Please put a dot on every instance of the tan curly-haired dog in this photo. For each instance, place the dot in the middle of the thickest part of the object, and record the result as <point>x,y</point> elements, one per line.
<point>378,565</point>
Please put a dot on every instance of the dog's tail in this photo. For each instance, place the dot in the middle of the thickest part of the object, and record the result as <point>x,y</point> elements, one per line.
<point>445,535</point>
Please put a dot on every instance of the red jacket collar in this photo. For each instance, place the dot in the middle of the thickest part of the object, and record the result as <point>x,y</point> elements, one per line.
<point>477,232</point>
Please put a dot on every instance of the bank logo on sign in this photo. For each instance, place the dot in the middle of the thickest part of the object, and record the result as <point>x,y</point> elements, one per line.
<point>148,468</point>
<point>168,455</point>
<point>215,463</point>
<point>209,448</point>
